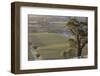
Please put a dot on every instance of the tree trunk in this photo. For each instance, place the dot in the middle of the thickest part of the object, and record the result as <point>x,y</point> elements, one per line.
<point>79,47</point>
<point>79,52</point>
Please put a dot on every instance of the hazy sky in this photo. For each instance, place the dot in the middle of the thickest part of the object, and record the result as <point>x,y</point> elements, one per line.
<point>49,23</point>
<point>50,18</point>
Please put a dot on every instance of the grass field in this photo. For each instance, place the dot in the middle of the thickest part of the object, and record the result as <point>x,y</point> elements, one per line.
<point>43,38</point>
<point>50,45</point>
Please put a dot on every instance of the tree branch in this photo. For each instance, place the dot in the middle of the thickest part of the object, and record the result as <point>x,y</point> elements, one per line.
<point>72,31</point>
<point>83,44</point>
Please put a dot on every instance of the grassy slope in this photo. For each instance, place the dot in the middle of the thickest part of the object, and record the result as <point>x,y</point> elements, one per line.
<point>51,45</point>
<point>43,39</point>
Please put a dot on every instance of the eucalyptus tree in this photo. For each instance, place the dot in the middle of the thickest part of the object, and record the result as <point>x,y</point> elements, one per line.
<point>78,29</point>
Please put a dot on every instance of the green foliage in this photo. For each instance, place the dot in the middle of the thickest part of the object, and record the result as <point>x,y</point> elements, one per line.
<point>72,53</point>
<point>77,27</point>
<point>71,42</point>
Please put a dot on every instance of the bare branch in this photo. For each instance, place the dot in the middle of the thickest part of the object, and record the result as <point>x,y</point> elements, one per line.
<point>73,32</point>
<point>84,44</point>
